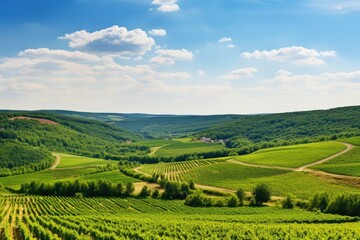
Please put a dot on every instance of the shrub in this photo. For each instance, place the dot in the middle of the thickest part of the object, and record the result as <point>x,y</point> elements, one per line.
<point>198,199</point>
<point>262,193</point>
<point>240,193</point>
<point>288,203</point>
<point>233,201</point>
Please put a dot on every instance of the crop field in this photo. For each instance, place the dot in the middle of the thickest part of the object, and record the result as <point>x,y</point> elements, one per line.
<point>26,217</point>
<point>181,146</point>
<point>346,164</point>
<point>232,176</point>
<point>71,161</point>
<point>293,156</point>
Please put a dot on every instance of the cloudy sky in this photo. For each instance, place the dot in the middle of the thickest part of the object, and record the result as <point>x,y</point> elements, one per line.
<point>179,56</point>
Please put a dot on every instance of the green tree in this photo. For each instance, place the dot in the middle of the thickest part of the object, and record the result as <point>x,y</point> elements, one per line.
<point>261,193</point>
<point>288,203</point>
<point>240,193</point>
<point>129,189</point>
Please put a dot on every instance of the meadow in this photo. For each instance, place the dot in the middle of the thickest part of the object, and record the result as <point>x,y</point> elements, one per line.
<point>73,161</point>
<point>292,156</point>
<point>346,164</point>
<point>28,217</point>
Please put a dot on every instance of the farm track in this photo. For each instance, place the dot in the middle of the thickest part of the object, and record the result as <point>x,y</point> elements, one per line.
<point>348,148</point>
<point>57,161</point>
<point>335,178</point>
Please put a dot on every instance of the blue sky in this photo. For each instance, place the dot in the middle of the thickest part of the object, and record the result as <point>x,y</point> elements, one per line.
<point>177,56</point>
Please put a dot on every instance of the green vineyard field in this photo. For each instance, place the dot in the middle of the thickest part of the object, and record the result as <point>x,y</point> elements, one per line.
<point>28,217</point>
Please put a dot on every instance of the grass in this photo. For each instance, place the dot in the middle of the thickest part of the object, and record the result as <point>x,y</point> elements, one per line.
<point>71,161</point>
<point>354,141</point>
<point>293,156</point>
<point>179,146</point>
<point>175,148</point>
<point>113,176</point>
<point>346,164</point>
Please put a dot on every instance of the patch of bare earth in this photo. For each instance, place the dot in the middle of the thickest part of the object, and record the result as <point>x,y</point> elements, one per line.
<point>40,120</point>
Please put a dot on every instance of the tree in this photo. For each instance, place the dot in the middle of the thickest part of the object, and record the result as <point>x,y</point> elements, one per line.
<point>145,192</point>
<point>288,203</point>
<point>233,201</point>
<point>129,189</point>
<point>262,193</point>
<point>156,193</point>
<point>240,193</point>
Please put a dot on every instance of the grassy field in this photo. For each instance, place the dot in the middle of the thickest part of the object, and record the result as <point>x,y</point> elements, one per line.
<point>346,164</point>
<point>71,161</point>
<point>293,156</point>
<point>71,167</point>
<point>233,176</point>
<point>116,218</point>
<point>354,141</point>
<point>179,147</point>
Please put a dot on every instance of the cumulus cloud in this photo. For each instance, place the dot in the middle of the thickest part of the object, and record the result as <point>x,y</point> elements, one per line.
<point>169,56</point>
<point>157,32</point>
<point>167,5</point>
<point>293,55</point>
<point>230,46</point>
<point>240,73</point>
<point>225,39</point>
<point>114,40</point>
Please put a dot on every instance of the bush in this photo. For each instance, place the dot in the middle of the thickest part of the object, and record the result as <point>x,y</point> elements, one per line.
<point>233,201</point>
<point>198,199</point>
<point>155,193</point>
<point>261,194</point>
<point>288,203</point>
<point>240,193</point>
<point>319,202</point>
<point>347,204</point>
<point>145,192</point>
<point>79,195</point>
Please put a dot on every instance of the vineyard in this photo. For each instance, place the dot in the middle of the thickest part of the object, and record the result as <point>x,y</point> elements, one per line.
<point>293,156</point>
<point>223,174</point>
<point>28,217</point>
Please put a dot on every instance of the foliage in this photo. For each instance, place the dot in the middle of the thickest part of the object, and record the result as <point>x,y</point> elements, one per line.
<point>18,158</point>
<point>240,193</point>
<point>344,204</point>
<point>261,193</point>
<point>71,188</point>
<point>288,202</point>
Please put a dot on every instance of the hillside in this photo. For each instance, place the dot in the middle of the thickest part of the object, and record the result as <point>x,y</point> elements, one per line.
<point>240,129</point>
<point>69,134</point>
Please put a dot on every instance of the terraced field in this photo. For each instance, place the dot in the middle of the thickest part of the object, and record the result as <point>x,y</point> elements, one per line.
<point>293,156</point>
<point>26,217</point>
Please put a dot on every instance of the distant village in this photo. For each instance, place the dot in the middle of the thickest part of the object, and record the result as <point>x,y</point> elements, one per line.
<point>201,139</point>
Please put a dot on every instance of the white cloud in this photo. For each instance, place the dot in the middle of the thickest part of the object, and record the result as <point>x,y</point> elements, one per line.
<point>336,5</point>
<point>167,5</point>
<point>157,32</point>
<point>225,39</point>
<point>113,41</point>
<point>293,55</point>
<point>240,73</point>
<point>230,46</point>
<point>169,56</point>
<point>201,73</point>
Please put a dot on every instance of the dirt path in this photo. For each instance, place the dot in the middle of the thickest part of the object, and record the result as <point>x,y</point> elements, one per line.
<point>139,171</point>
<point>57,161</point>
<point>302,168</point>
<point>348,148</point>
<point>262,166</point>
<point>155,149</point>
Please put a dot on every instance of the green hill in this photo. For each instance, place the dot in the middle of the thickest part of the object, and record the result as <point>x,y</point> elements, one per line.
<point>68,134</point>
